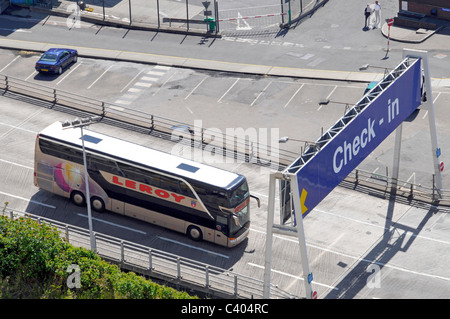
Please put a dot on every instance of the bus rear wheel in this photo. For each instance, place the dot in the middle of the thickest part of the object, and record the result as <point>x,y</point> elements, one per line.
<point>194,233</point>
<point>78,198</point>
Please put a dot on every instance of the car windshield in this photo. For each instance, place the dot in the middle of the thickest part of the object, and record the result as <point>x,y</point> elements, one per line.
<point>49,57</point>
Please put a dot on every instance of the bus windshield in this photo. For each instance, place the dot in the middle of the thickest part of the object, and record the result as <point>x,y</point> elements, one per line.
<point>239,194</point>
<point>239,219</point>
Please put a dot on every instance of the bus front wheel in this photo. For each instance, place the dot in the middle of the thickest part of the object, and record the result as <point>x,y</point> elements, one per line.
<point>78,198</point>
<point>98,204</point>
<point>194,233</point>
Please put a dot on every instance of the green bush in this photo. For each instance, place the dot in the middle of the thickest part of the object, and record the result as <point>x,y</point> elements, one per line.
<point>34,262</point>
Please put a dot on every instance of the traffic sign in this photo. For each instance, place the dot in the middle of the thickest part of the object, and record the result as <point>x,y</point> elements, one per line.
<point>206,4</point>
<point>441,166</point>
<point>314,295</point>
<point>357,136</point>
<point>390,22</point>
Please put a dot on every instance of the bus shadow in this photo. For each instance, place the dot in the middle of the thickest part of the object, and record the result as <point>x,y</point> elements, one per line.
<point>120,227</point>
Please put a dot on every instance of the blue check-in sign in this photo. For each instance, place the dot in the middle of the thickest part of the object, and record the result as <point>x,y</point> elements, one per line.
<point>347,149</point>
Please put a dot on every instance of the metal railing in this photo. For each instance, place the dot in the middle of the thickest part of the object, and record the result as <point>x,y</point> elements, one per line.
<point>176,270</point>
<point>406,189</point>
<point>242,148</point>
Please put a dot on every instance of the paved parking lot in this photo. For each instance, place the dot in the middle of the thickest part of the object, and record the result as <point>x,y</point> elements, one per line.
<point>229,101</point>
<point>359,246</point>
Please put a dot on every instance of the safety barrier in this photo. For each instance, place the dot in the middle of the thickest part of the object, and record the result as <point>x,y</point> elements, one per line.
<point>176,270</point>
<point>409,191</point>
<point>240,148</point>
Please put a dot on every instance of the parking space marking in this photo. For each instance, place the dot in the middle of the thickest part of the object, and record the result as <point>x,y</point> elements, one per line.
<point>195,88</point>
<point>100,76</point>
<point>34,73</point>
<point>260,93</point>
<point>76,67</point>
<point>328,97</point>
<point>434,101</point>
<point>9,63</point>
<point>165,82</point>
<point>229,89</point>
<point>131,81</point>
<point>292,97</point>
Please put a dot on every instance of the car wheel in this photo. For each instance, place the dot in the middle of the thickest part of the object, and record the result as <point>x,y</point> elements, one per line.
<point>75,58</point>
<point>60,70</point>
<point>194,233</point>
<point>78,198</point>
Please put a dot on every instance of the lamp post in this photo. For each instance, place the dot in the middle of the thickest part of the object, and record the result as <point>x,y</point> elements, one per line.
<point>82,123</point>
<point>285,139</point>
<point>367,66</point>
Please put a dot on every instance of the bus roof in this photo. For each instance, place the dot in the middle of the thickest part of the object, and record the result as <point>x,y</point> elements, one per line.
<point>136,153</point>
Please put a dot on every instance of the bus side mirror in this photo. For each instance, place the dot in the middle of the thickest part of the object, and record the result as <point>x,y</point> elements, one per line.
<point>257,200</point>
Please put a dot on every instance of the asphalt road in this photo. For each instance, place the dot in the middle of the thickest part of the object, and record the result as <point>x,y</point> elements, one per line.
<point>332,39</point>
<point>359,246</point>
<point>272,107</point>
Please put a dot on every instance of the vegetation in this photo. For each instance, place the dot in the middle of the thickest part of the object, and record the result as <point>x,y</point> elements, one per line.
<point>36,263</point>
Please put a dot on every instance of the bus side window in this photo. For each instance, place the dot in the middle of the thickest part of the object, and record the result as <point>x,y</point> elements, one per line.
<point>97,163</point>
<point>169,184</point>
<point>185,190</point>
<point>61,151</point>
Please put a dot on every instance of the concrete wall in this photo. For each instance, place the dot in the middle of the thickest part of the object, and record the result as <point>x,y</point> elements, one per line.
<point>432,8</point>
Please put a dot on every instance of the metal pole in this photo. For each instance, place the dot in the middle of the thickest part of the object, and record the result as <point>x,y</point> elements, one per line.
<point>289,8</point>
<point>216,13</point>
<point>88,195</point>
<point>282,11</point>
<point>187,14</point>
<point>269,235</point>
<point>129,8</point>
<point>307,276</point>
<point>103,9</point>
<point>396,166</point>
<point>157,8</point>
<point>429,106</point>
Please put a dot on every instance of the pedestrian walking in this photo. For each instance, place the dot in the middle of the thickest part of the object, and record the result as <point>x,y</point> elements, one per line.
<point>377,10</point>
<point>367,13</point>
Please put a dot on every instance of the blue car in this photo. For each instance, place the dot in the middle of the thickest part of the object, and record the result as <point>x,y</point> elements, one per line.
<point>55,60</point>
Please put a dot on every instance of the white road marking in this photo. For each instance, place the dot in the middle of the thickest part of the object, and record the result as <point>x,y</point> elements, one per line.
<point>113,224</point>
<point>27,200</point>
<point>229,89</point>
<point>193,247</point>
<point>100,77</point>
